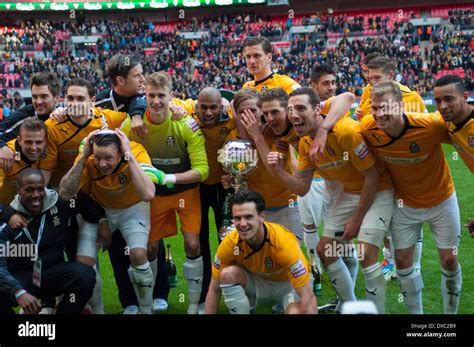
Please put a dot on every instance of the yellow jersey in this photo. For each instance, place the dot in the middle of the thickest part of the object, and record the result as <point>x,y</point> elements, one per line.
<point>65,137</point>
<point>8,180</point>
<point>273,81</point>
<point>117,189</point>
<point>345,156</point>
<point>260,180</point>
<point>366,93</point>
<point>188,105</point>
<point>415,158</point>
<point>462,138</point>
<point>278,259</point>
<point>412,102</point>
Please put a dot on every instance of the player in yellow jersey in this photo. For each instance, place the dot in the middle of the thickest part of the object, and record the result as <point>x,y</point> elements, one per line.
<point>259,262</point>
<point>363,208</point>
<point>366,92</point>
<point>215,125</point>
<point>450,96</point>
<point>109,169</point>
<point>315,204</point>
<point>80,119</point>
<point>410,146</point>
<point>177,149</point>
<point>28,150</point>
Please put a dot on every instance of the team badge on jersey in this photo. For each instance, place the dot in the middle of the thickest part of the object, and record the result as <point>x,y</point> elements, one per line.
<point>362,150</point>
<point>122,178</point>
<point>414,148</point>
<point>264,88</point>
<point>268,262</point>
<point>330,150</point>
<point>170,140</point>
<point>470,140</point>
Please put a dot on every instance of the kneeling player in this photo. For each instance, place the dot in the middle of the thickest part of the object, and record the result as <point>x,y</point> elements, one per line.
<point>259,262</point>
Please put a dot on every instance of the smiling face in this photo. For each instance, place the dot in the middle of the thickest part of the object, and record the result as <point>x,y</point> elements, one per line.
<point>31,191</point>
<point>451,102</point>
<point>247,221</point>
<point>158,99</point>
<point>380,75</point>
<point>32,143</point>
<point>386,111</point>
<point>301,115</point>
<point>106,158</point>
<point>258,63</point>
<point>326,86</point>
<point>42,99</point>
<point>275,116</point>
<point>79,103</point>
<point>209,110</point>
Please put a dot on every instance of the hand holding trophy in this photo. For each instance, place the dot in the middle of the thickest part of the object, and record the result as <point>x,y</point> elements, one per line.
<point>238,159</point>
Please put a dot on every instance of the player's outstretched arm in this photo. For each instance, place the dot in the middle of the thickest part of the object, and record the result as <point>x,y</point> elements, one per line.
<point>308,303</point>
<point>367,196</point>
<point>213,297</point>
<point>340,105</point>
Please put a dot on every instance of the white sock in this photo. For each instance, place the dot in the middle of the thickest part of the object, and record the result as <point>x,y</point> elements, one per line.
<point>142,280</point>
<point>411,285</point>
<point>193,272</point>
<point>352,264</point>
<point>341,280</point>
<point>95,301</point>
<point>311,240</point>
<point>154,268</point>
<point>235,298</point>
<point>375,286</point>
<point>418,252</point>
<point>451,284</point>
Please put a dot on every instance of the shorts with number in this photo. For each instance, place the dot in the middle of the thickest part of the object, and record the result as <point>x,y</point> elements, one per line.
<point>287,216</point>
<point>133,222</point>
<point>263,292</point>
<point>376,222</point>
<point>186,204</point>
<point>314,205</point>
<point>443,219</point>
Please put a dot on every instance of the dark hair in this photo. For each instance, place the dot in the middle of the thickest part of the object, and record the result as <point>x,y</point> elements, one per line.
<point>243,196</point>
<point>320,71</point>
<point>370,56</point>
<point>384,63</point>
<point>29,172</point>
<point>33,124</point>
<point>451,79</point>
<point>107,139</point>
<point>120,65</point>
<point>313,96</point>
<point>273,94</point>
<point>79,82</point>
<point>46,79</point>
<point>259,40</point>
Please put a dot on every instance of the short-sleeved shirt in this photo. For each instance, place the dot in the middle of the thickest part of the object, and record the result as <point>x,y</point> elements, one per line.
<point>65,137</point>
<point>116,190</point>
<point>273,81</point>
<point>278,259</point>
<point>8,180</point>
<point>346,155</point>
<point>462,137</point>
<point>415,158</point>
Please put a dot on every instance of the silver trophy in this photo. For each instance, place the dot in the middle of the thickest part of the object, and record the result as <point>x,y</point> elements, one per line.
<point>239,159</point>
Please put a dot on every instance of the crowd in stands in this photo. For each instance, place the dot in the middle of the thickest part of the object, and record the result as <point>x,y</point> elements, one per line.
<point>217,59</point>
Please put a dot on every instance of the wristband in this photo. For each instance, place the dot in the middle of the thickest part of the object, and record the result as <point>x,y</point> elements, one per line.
<point>169,180</point>
<point>19,293</point>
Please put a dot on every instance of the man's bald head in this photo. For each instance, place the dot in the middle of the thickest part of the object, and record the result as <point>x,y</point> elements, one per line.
<point>209,107</point>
